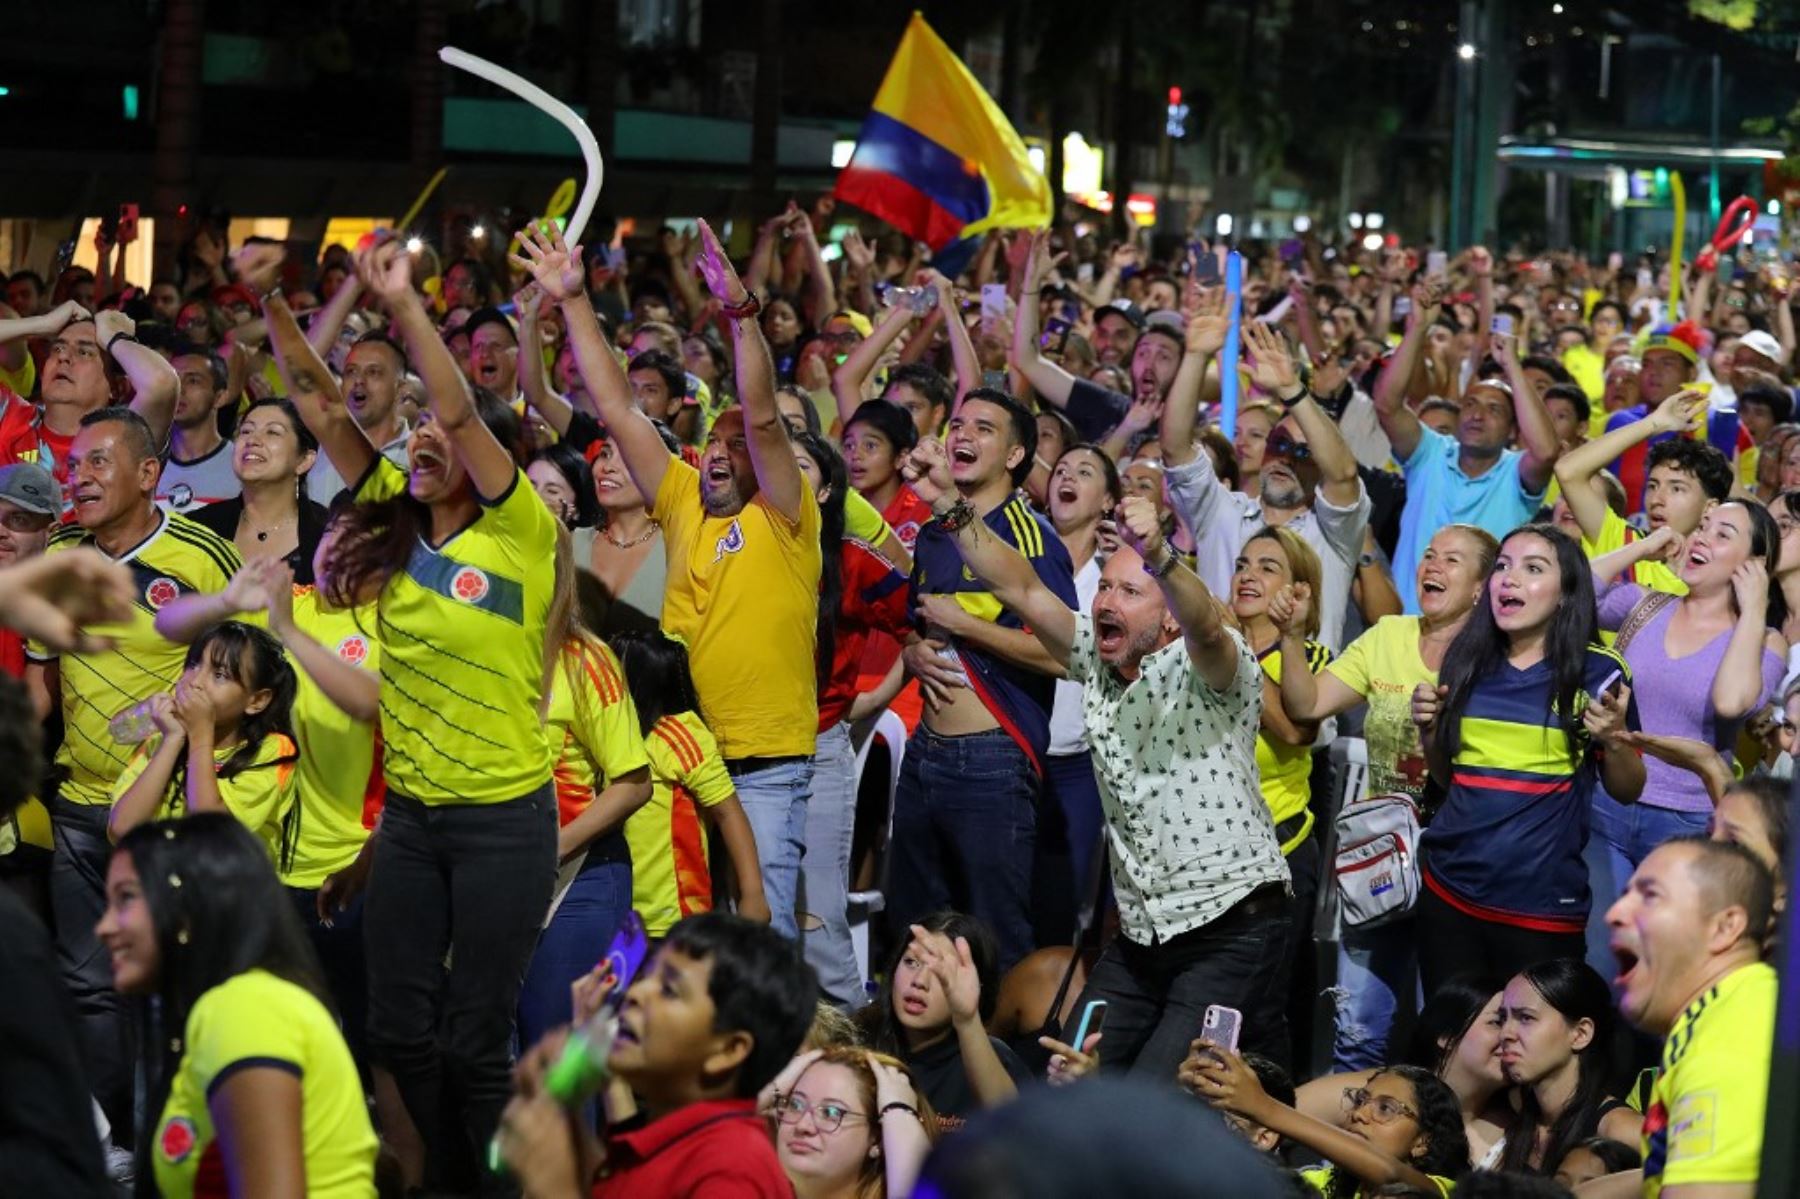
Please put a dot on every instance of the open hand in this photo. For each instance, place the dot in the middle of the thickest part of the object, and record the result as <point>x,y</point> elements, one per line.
<point>1207,322</point>
<point>953,968</point>
<point>1680,413</point>
<point>55,598</point>
<point>550,261</point>
<point>715,268</point>
<point>1273,366</point>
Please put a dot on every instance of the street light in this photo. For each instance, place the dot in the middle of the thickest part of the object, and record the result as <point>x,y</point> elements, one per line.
<point>1372,242</point>
<point>1466,51</point>
<point>1356,220</point>
<point>1302,223</point>
<point>1222,226</point>
<point>1374,220</point>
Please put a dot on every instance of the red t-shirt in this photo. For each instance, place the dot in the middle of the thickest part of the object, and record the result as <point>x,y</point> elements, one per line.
<point>23,438</point>
<point>906,513</point>
<point>874,600</point>
<point>717,1150</point>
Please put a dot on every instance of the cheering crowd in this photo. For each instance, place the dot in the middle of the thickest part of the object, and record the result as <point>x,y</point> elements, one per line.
<point>975,684</point>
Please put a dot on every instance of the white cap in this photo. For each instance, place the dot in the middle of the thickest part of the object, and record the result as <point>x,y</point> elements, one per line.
<point>1758,341</point>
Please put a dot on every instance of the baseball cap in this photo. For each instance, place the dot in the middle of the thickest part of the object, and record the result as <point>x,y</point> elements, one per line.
<point>1125,308</point>
<point>1758,341</point>
<point>29,486</point>
<point>489,316</point>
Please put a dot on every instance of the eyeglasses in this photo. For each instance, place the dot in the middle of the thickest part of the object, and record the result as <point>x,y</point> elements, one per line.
<point>828,1117</point>
<point>1280,445</point>
<point>1383,1109</point>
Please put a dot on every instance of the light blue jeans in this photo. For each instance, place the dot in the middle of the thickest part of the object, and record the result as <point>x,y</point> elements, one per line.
<point>825,871</point>
<point>774,800</point>
<point>1620,837</point>
<point>1376,967</point>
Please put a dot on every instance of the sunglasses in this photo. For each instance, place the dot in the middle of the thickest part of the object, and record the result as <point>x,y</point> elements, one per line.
<point>1282,446</point>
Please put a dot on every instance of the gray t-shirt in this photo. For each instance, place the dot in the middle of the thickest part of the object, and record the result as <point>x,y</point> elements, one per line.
<point>209,479</point>
<point>323,481</point>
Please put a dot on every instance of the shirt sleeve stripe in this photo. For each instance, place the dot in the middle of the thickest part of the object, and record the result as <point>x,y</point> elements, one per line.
<point>252,1063</point>
<point>687,749</point>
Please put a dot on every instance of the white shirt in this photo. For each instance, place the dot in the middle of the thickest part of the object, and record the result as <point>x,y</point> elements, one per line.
<point>1222,520</point>
<point>323,481</point>
<point>1186,823</point>
<point>1068,735</point>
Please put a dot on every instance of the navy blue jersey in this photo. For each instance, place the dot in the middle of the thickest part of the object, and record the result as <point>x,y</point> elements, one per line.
<point>1019,699</point>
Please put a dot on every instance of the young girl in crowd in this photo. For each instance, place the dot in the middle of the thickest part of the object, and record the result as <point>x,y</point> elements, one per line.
<point>1594,1158</point>
<point>224,742</point>
<point>1382,668</point>
<point>932,1015</point>
<point>250,1085</point>
<point>860,593</point>
<point>1402,1126</point>
<point>849,1124</point>
<point>1519,731</point>
<point>458,556</point>
<point>1556,1025</point>
<point>1457,1038</point>
<point>602,777</point>
<point>670,878</point>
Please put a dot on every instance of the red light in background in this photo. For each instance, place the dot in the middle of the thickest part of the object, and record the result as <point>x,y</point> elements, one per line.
<point>1174,96</point>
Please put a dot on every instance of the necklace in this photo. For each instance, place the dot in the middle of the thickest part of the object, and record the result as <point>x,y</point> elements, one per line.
<point>646,535</point>
<point>263,534</point>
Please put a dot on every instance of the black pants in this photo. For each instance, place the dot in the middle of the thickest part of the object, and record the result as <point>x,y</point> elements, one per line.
<point>1156,994</point>
<point>1452,942</point>
<point>78,900</point>
<point>340,949</point>
<point>472,882</point>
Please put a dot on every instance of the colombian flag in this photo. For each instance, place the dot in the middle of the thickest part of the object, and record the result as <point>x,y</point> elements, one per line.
<point>937,159</point>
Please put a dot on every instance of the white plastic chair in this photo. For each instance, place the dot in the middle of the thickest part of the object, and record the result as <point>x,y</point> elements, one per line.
<point>864,906</point>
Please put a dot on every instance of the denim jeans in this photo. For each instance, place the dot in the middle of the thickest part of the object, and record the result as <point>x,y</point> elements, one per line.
<point>1377,972</point>
<point>1622,836</point>
<point>825,871</point>
<point>78,899</point>
<point>1068,840</point>
<point>1156,995</point>
<point>774,799</point>
<point>965,821</point>
<point>339,946</point>
<point>472,882</point>
<point>577,937</point>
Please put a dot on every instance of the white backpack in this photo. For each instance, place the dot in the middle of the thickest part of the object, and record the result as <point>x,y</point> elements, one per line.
<point>1377,862</point>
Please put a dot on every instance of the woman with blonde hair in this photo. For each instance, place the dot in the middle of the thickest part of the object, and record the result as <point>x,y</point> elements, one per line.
<point>849,1124</point>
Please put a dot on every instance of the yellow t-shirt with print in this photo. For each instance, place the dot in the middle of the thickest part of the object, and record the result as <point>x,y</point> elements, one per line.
<point>1383,666</point>
<point>261,795</point>
<point>743,594</point>
<point>593,724</point>
<point>256,1020</point>
<point>669,875</point>
<point>462,652</point>
<point>1705,1121</point>
<point>177,558</point>
<point>1319,1179</point>
<point>1286,770</point>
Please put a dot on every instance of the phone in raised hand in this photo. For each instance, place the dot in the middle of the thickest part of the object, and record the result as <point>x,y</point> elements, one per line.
<point>1220,1025</point>
<point>993,301</point>
<point>1437,264</point>
<point>1093,1015</point>
<point>1502,324</point>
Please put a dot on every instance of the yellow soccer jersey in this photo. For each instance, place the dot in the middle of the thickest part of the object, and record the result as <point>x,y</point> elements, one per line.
<point>462,652</point>
<point>1286,770</point>
<point>261,795</point>
<point>669,874</point>
<point>1616,534</point>
<point>258,1021</point>
<point>593,725</point>
<point>179,557</point>
<point>1705,1123</point>
<point>743,594</point>
<point>1319,1178</point>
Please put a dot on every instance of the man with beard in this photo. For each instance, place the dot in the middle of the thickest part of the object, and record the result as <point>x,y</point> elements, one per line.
<point>1171,700</point>
<point>1309,478</point>
<point>78,379</point>
<point>742,536</point>
<point>29,503</point>
<point>1472,478</point>
<point>1152,352</point>
<point>373,372</point>
<point>1688,935</point>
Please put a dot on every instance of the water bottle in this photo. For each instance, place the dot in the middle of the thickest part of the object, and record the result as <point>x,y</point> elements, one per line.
<point>920,300</point>
<point>579,1073</point>
<point>135,724</point>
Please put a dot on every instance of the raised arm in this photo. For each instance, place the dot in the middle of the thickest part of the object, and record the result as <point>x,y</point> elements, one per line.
<point>771,450</point>
<point>1201,617</point>
<point>1274,373</point>
<point>322,331</point>
<point>1576,469</point>
<point>1536,431</point>
<point>1007,572</point>
<point>962,346</point>
<point>1051,382</point>
<point>153,381</point>
<point>823,293</point>
<point>1397,420</point>
<point>386,270</point>
<point>557,268</point>
<point>555,409</point>
<point>1206,327</point>
<point>1305,696</point>
<point>310,383</point>
<point>1481,265</point>
<point>847,380</point>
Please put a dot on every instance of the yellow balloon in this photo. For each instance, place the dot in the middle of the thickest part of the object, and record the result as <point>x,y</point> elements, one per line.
<point>1680,195</point>
<point>561,200</point>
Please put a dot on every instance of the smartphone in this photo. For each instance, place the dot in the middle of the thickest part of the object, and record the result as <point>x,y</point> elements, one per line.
<point>630,945</point>
<point>1611,680</point>
<point>1403,306</point>
<point>993,301</point>
<point>128,222</point>
<point>1221,1025</point>
<point>1614,261</point>
<point>1502,324</point>
<point>1206,269</point>
<point>1293,253</point>
<point>1646,278</point>
<point>1437,264</point>
<point>1084,272</point>
<point>994,380</point>
<point>1056,334</point>
<point>1092,1017</point>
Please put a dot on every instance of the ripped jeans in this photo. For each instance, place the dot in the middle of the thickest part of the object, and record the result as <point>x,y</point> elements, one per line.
<point>1377,969</point>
